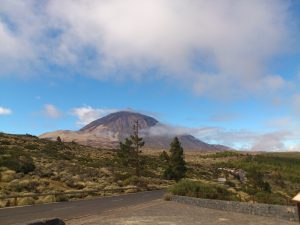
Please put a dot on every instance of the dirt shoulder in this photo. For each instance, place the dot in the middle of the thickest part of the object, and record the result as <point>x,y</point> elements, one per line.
<point>171,213</point>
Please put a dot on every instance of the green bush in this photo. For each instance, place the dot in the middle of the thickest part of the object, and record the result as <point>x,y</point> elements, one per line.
<point>26,185</point>
<point>61,198</point>
<point>15,159</point>
<point>26,201</point>
<point>51,149</point>
<point>32,146</point>
<point>271,198</point>
<point>257,178</point>
<point>200,190</point>
<point>230,183</point>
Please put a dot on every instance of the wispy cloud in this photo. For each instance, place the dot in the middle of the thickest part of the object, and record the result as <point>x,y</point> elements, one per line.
<point>273,141</point>
<point>87,114</point>
<point>5,111</point>
<point>52,112</point>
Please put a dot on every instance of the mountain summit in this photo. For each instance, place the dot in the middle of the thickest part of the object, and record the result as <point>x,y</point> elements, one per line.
<point>120,122</point>
<point>109,130</point>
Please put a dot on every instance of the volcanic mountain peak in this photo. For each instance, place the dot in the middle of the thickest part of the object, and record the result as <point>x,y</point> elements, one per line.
<point>121,122</point>
<point>109,130</point>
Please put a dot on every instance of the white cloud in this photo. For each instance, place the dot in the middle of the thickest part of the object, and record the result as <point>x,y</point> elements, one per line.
<point>279,140</point>
<point>52,112</point>
<point>88,114</point>
<point>271,141</point>
<point>20,29</point>
<point>5,111</point>
<point>220,48</point>
<point>215,33</point>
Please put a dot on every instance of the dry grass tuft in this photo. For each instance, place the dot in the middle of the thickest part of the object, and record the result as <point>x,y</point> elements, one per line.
<point>167,197</point>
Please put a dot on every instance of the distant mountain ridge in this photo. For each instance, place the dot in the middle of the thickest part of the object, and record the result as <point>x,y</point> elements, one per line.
<point>109,130</point>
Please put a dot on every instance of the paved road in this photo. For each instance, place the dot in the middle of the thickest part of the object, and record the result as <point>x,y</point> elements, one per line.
<point>74,209</point>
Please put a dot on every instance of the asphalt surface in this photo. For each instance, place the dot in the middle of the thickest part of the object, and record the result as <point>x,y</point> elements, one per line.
<point>74,209</point>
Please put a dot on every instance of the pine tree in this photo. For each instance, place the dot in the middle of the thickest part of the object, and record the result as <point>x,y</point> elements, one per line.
<point>125,153</point>
<point>176,165</point>
<point>129,152</point>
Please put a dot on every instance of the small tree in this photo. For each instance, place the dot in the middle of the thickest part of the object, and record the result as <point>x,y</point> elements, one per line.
<point>129,152</point>
<point>257,179</point>
<point>58,139</point>
<point>176,165</point>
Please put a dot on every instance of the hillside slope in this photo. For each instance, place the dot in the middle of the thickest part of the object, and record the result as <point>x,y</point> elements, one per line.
<point>32,165</point>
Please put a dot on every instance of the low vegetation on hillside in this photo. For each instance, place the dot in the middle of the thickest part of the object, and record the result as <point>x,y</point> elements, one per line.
<point>272,178</point>
<point>32,165</point>
<point>202,190</point>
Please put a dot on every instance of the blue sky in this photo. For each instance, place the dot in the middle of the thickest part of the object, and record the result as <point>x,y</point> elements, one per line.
<point>228,72</point>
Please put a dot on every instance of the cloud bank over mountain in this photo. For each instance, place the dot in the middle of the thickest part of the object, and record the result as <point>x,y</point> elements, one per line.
<point>243,139</point>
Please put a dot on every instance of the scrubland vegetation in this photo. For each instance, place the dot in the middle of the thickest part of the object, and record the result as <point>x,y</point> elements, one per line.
<point>32,165</point>
<point>272,178</point>
<point>202,190</point>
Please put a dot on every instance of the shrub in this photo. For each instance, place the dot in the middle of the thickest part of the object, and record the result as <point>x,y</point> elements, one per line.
<point>24,185</point>
<point>257,178</point>
<point>167,197</point>
<point>133,190</point>
<point>201,190</point>
<point>137,181</point>
<point>7,176</point>
<point>119,176</point>
<point>230,183</point>
<point>26,201</point>
<point>15,159</point>
<point>51,149</point>
<point>5,142</point>
<point>32,146</point>
<point>26,165</point>
<point>61,198</point>
<point>271,198</point>
<point>46,199</point>
<point>76,185</point>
